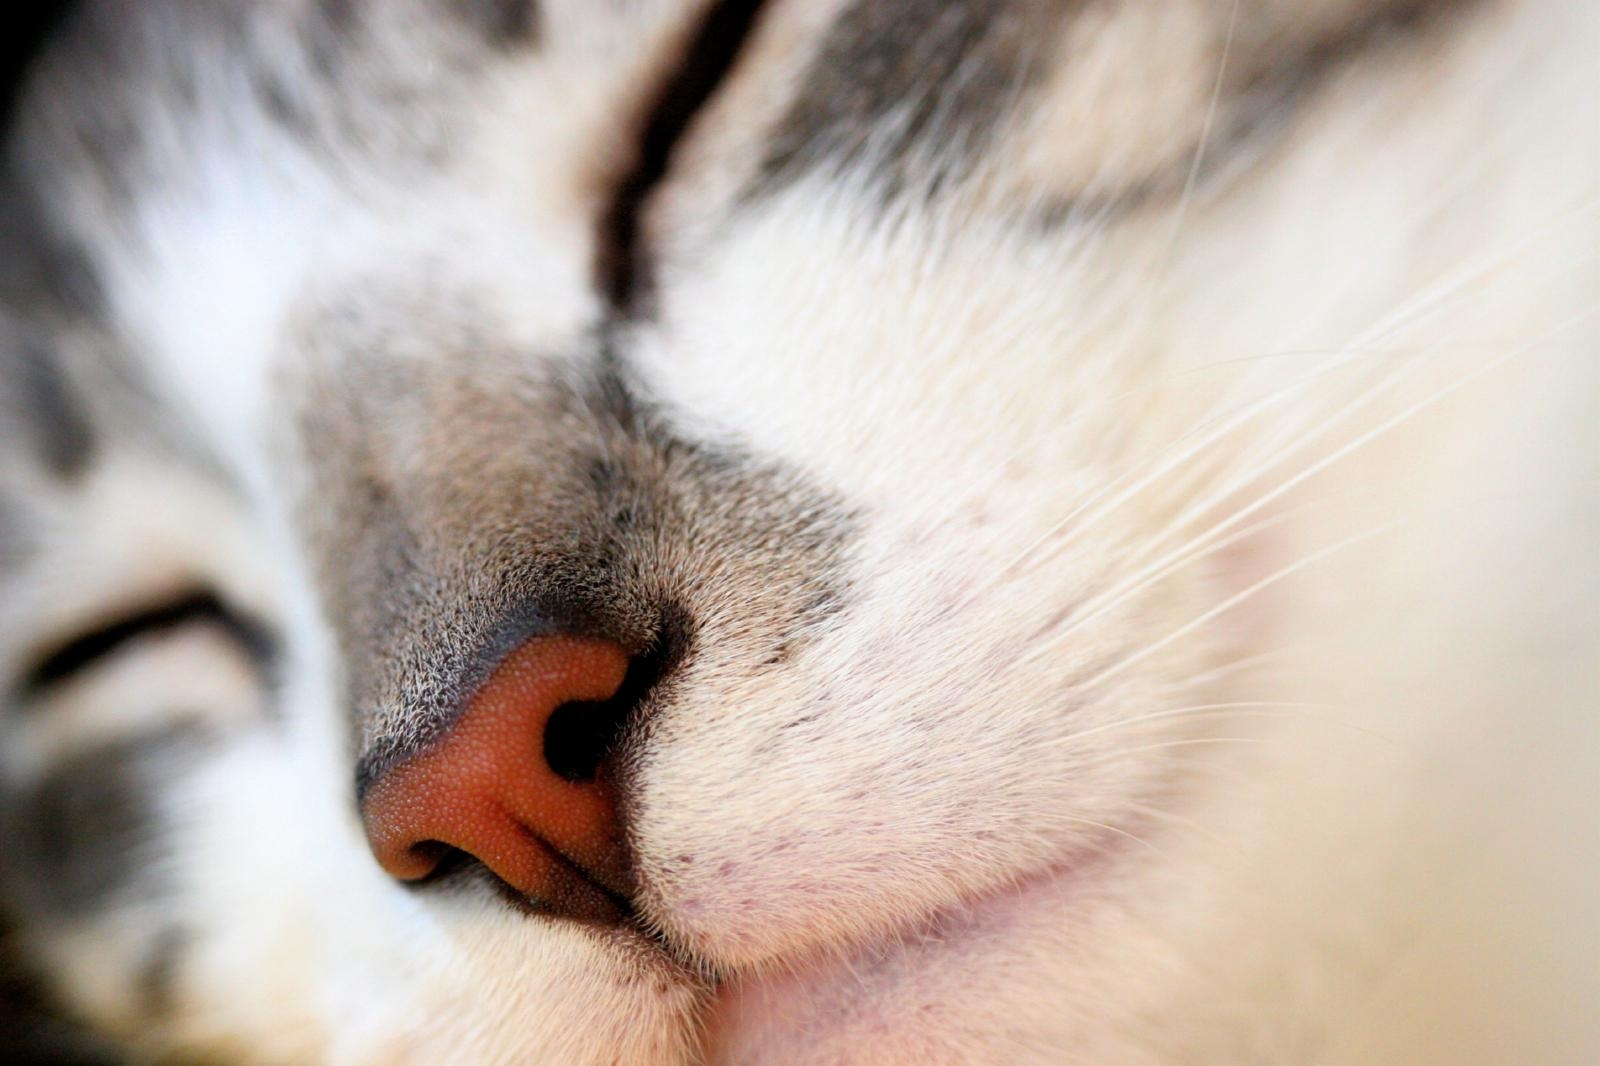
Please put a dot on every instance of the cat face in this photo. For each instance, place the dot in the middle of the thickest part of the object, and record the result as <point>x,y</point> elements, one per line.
<point>890,483</point>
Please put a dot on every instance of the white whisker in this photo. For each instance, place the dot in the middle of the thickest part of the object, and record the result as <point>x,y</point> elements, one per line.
<point>1191,180</point>
<point>1111,829</point>
<point>1404,314</point>
<point>1238,598</point>
<point>1244,708</point>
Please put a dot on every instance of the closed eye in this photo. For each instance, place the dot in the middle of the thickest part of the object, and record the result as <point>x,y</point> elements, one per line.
<point>81,653</point>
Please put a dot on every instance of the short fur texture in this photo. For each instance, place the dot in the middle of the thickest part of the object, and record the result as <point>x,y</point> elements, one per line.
<point>1112,484</point>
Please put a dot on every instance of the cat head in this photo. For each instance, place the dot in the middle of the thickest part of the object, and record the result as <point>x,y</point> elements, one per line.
<point>824,452</point>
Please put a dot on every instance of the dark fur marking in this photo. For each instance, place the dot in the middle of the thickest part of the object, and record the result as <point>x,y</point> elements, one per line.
<point>23,29</point>
<point>17,541</point>
<point>358,82</point>
<point>913,90</point>
<point>159,974</point>
<point>38,402</point>
<point>334,24</point>
<point>83,837</point>
<point>504,23</point>
<point>43,273</point>
<point>33,1031</point>
<point>1260,103</point>
<point>795,723</point>
<point>83,652</point>
<point>1272,92</point>
<point>781,653</point>
<point>622,262</point>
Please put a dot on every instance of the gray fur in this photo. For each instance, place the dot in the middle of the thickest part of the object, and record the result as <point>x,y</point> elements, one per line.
<point>548,501</point>
<point>356,81</point>
<point>911,92</point>
<point>39,408</point>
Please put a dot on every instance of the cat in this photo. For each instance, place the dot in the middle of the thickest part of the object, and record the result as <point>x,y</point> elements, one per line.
<point>986,531</point>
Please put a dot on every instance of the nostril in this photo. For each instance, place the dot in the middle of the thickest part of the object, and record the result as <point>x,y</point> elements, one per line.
<point>505,788</point>
<point>580,735</point>
<point>435,857</point>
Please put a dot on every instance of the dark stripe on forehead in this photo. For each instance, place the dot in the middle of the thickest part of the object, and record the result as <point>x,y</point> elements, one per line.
<point>622,260</point>
<point>911,91</point>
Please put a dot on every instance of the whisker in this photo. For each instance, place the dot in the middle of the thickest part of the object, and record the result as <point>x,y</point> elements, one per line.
<point>1238,598</point>
<point>1246,710</point>
<point>1161,814</point>
<point>1170,745</point>
<point>1148,576</point>
<point>1121,493</point>
<point>1405,313</point>
<point>1191,180</point>
<point>1344,450</point>
<point>1243,708</point>
<point>1114,830</point>
<point>1233,667</point>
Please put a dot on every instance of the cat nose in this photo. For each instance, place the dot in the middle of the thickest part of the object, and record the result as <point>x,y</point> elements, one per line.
<point>518,782</point>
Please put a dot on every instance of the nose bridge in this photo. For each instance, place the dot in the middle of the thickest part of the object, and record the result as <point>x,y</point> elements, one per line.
<point>451,515</point>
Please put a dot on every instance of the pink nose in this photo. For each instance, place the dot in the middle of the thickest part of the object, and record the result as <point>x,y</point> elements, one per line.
<point>487,787</point>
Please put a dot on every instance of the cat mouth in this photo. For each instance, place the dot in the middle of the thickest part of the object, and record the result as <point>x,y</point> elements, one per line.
<point>583,897</point>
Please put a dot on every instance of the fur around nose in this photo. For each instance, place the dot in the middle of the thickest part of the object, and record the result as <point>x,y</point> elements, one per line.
<point>491,788</point>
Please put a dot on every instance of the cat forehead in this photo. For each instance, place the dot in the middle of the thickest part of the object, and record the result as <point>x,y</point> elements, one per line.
<point>407,236</point>
<point>411,131</point>
<point>314,197</point>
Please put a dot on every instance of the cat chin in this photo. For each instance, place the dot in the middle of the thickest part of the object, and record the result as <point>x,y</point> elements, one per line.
<point>981,915</point>
<point>877,1001</point>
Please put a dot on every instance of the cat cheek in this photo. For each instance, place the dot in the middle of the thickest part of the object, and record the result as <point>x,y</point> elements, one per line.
<point>1243,570</point>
